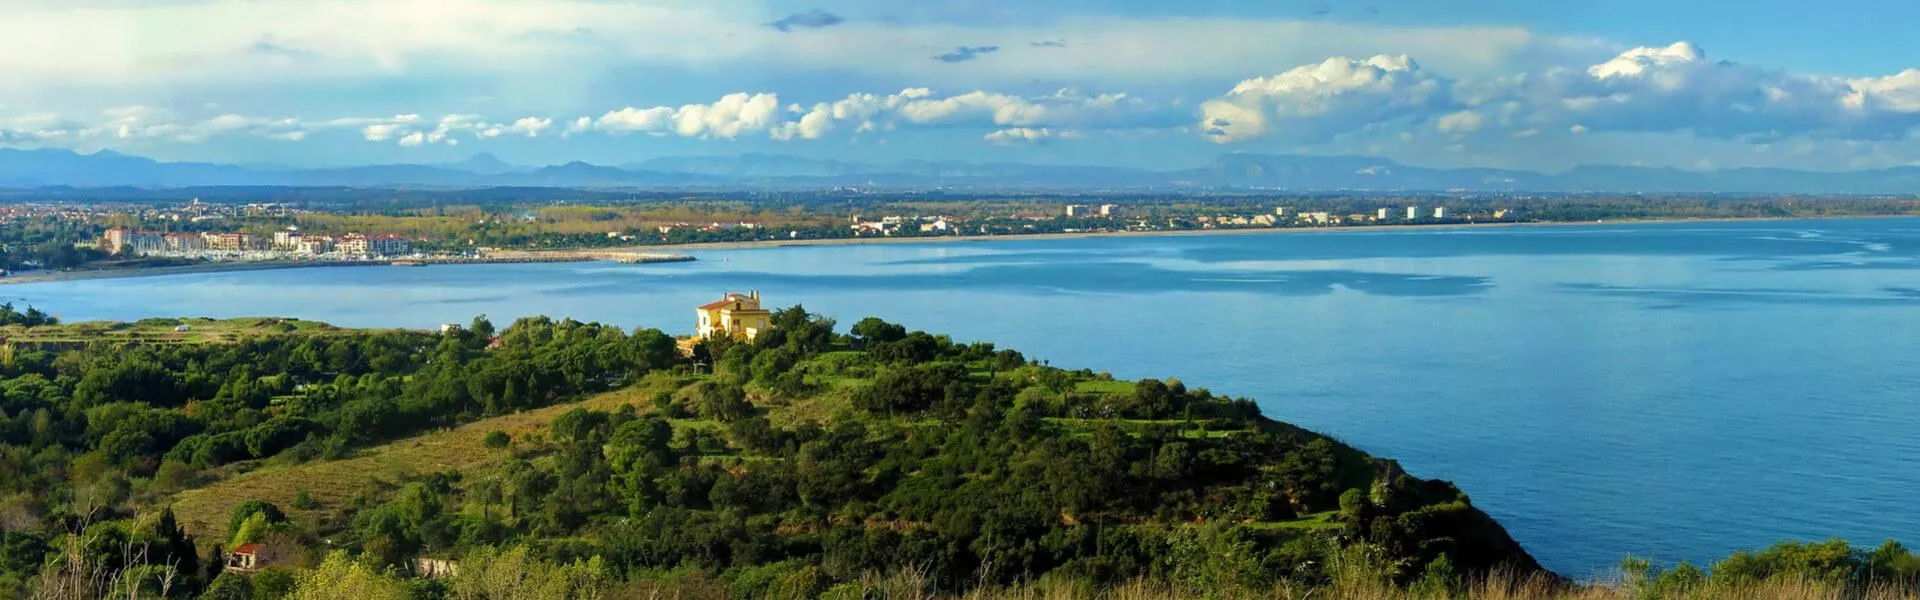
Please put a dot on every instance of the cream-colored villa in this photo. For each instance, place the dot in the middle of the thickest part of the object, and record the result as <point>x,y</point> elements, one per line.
<point>737,315</point>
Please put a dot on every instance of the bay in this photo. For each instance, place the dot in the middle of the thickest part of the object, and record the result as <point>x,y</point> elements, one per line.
<point>1677,391</point>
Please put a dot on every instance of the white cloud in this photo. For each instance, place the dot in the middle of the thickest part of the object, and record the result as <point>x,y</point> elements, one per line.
<point>652,120</point>
<point>729,117</point>
<point>732,115</point>
<point>264,43</point>
<point>1638,61</point>
<point>1018,136</point>
<point>812,124</point>
<point>1670,89</point>
<point>1316,101</point>
<point>922,107</point>
<point>381,132</point>
<point>531,126</point>
<point>1465,121</point>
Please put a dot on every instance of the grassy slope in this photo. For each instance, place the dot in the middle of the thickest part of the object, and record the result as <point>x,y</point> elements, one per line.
<point>163,331</point>
<point>203,511</point>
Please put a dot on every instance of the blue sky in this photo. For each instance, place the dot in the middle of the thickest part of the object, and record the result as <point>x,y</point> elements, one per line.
<point>1505,83</point>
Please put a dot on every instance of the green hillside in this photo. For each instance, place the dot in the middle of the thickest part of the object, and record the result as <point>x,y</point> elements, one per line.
<point>558,459</point>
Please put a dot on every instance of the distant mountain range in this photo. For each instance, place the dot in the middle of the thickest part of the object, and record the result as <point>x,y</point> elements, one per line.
<point>1299,173</point>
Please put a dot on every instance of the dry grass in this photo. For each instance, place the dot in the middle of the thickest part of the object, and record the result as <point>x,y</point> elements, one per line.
<point>162,331</point>
<point>911,586</point>
<point>203,512</point>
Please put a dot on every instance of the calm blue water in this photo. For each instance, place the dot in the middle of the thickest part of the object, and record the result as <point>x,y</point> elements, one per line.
<point>1677,391</point>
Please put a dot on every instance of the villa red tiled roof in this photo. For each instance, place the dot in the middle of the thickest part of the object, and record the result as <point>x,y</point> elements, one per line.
<point>720,304</point>
<point>249,549</point>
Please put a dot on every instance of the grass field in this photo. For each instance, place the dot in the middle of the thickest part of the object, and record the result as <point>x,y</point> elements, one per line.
<point>203,511</point>
<point>167,331</point>
<point>1105,387</point>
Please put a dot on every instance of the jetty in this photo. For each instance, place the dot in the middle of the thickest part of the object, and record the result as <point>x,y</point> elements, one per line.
<point>549,256</point>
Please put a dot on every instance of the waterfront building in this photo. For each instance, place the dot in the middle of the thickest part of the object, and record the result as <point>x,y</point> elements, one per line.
<point>121,239</point>
<point>354,244</point>
<point>314,244</point>
<point>1439,212</point>
<point>1380,215</point>
<point>1077,210</point>
<point>736,315</point>
<point>1413,212</point>
<point>286,239</point>
<point>389,245</point>
<point>185,242</point>
<point>234,242</point>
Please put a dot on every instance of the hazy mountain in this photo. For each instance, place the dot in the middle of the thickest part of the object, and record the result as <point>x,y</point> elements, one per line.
<point>753,166</point>
<point>45,168</point>
<point>486,163</point>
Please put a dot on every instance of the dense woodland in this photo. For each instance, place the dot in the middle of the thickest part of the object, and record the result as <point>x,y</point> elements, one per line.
<point>805,463</point>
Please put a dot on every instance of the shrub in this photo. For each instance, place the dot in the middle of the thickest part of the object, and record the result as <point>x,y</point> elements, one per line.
<point>304,501</point>
<point>497,439</point>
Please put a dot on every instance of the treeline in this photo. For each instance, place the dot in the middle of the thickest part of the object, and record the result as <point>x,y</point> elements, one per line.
<point>90,435</point>
<point>49,243</point>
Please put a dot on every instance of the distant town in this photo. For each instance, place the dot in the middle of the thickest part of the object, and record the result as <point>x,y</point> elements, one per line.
<point>48,232</point>
<point>242,245</point>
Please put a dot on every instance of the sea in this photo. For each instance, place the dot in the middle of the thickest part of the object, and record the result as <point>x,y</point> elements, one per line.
<point>1675,391</point>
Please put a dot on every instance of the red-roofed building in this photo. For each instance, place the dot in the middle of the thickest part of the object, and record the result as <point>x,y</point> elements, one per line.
<point>246,557</point>
<point>736,315</point>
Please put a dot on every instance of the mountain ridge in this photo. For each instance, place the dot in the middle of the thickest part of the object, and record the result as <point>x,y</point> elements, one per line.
<point>39,168</point>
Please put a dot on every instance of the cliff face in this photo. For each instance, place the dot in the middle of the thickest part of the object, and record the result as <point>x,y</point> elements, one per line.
<point>1425,518</point>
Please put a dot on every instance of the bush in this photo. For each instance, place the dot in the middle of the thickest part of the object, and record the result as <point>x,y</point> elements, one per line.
<point>247,509</point>
<point>304,501</point>
<point>497,439</point>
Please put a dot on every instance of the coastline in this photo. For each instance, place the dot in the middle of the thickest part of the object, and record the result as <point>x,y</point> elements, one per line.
<point>206,267</point>
<point>1241,231</point>
<point>239,266</point>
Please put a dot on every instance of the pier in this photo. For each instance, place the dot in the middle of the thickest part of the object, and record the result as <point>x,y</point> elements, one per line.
<point>555,256</point>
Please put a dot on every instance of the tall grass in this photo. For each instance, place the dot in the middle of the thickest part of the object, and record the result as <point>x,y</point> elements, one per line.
<point>1499,586</point>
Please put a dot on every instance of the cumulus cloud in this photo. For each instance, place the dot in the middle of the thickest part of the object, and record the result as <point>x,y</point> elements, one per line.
<point>1021,136</point>
<point>812,19</point>
<point>921,107</point>
<point>1465,121</point>
<point>729,117</point>
<point>531,126</point>
<point>1313,102</point>
<point>448,130</point>
<point>380,132</point>
<point>1676,88</point>
<point>1667,89</point>
<point>966,53</point>
<point>281,45</point>
<point>1651,90</point>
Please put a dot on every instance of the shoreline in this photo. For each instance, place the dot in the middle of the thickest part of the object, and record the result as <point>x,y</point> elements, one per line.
<point>1239,231</point>
<point>242,266</point>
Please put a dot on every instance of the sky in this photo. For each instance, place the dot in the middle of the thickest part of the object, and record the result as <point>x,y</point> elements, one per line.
<point>1698,84</point>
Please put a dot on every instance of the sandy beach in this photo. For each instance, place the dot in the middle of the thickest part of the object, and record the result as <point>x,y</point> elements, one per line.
<point>232,266</point>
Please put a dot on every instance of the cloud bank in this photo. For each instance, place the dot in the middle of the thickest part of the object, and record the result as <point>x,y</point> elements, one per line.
<point>1673,89</point>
